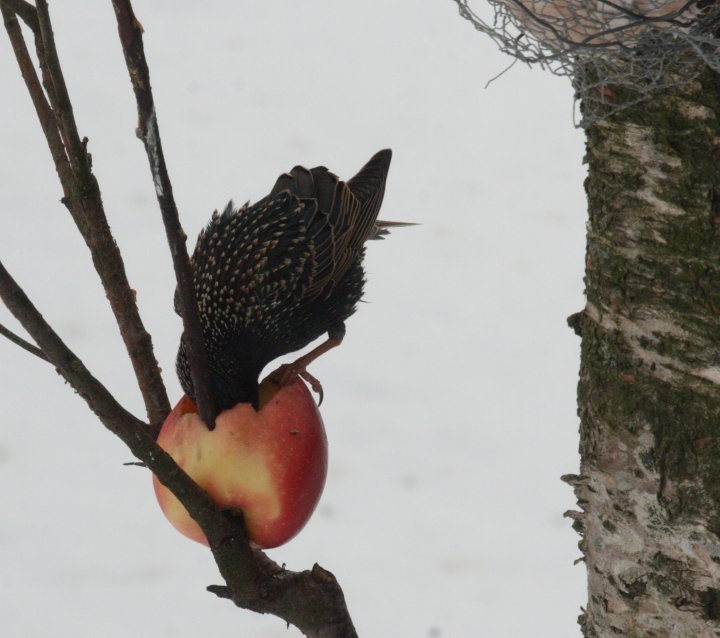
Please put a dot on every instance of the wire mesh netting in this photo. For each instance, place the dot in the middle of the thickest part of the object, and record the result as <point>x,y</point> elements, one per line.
<point>616,52</point>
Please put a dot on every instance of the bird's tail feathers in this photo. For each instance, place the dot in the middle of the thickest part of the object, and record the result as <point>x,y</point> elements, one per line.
<point>369,183</point>
<point>381,228</point>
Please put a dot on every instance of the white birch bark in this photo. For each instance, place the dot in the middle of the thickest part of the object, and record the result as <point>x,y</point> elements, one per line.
<point>649,391</point>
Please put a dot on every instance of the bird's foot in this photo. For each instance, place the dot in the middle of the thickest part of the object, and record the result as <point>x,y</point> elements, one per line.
<point>288,372</point>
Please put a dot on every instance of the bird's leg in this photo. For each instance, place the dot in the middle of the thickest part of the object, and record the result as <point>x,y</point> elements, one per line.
<point>287,372</point>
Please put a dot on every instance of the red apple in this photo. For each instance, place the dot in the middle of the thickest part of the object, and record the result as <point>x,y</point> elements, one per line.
<point>270,463</point>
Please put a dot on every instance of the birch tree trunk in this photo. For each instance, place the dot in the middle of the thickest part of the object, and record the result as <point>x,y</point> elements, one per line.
<point>649,390</point>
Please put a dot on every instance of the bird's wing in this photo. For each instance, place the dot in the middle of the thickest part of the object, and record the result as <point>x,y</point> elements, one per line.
<point>342,219</point>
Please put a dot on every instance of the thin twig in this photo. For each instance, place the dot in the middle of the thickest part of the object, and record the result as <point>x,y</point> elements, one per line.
<point>35,89</point>
<point>26,11</point>
<point>83,200</point>
<point>60,99</point>
<point>117,419</point>
<point>19,341</point>
<point>130,32</point>
<point>57,353</point>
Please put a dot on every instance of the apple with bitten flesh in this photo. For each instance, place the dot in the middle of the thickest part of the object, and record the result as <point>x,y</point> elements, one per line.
<point>270,463</point>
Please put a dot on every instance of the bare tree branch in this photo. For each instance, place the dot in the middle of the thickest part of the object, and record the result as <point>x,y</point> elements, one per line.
<point>130,32</point>
<point>82,196</point>
<point>311,600</point>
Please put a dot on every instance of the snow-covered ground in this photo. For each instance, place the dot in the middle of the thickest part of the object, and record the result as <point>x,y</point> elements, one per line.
<point>451,406</point>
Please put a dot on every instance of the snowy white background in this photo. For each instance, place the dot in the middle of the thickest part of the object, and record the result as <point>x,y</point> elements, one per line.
<point>451,406</point>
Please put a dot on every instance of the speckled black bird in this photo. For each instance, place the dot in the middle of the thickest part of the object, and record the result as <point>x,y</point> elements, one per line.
<point>272,277</point>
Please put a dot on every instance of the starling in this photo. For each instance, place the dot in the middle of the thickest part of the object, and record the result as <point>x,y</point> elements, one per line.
<point>272,277</point>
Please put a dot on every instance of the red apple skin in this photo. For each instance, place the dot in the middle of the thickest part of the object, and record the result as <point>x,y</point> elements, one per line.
<point>271,464</point>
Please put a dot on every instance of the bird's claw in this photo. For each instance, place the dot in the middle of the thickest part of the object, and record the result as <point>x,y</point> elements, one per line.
<point>314,384</point>
<point>287,373</point>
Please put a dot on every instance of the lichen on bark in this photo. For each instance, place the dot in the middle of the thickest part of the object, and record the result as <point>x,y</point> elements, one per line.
<point>649,390</point>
